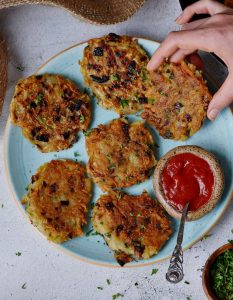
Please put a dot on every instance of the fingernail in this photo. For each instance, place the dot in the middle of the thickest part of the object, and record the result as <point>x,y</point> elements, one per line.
<point>179,18</point>
<point>213,114</point>
<point>149,65</point>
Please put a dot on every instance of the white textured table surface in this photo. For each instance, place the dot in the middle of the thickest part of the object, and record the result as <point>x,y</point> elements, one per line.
<point>34,34</point>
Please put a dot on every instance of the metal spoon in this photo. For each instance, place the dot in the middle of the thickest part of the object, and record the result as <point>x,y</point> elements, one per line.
<point>175,271</point>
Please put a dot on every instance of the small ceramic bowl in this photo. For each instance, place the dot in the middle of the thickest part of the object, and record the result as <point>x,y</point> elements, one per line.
<point>218,182</point>
<point>206,282</point>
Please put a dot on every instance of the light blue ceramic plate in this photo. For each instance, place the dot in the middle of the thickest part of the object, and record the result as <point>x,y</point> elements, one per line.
<point>23,159</point>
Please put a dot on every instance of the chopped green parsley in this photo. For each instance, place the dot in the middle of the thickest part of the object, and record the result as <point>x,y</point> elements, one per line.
<point>87,133</point>
<point>20,68</point>
<point>39,99</point>
<point>154,271</point>
<point>115,77</point>
<point>82,118</point>
<point>222,275</point>
<point>117,296</point>
<point>24,286</point>
<point>124,103</point>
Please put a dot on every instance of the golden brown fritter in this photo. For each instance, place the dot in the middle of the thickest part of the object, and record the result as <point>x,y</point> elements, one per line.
<point>114,67</point>
<point>50,110</point>
<point>133,226</point>
<point>120,154</point>
<point>181,99</point>
<point>57,200</point>
<point>174,98</point>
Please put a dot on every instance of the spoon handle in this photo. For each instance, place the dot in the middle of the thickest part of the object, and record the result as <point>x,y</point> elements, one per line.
<point>175,271</point>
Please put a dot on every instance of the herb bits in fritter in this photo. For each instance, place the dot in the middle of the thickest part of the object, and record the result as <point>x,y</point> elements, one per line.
<point>114,67</point>
<point>50,110</point>
<point>132,226</point>
<point>181,102</point>
<point>120,154</point>
<point>57,199</point>
<point>173,98</point>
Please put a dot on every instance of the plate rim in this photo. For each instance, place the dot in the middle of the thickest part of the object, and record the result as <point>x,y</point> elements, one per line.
<point>59,246</point>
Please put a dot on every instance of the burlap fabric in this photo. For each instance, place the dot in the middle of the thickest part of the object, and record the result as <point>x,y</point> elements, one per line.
<point>95,11</point>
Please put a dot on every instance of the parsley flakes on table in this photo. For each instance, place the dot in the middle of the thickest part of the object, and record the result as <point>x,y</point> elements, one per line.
<point>154,271</point>
<point>222,275</point>
<point>116,296</point>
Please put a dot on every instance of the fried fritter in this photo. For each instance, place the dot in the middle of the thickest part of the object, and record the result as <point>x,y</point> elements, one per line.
<point>120,154</point>
<point>181,99</point>
<point>57,199</point>
<point>133,226</point>
<point>114,67</point>
<point>173,98</point>
<point>50,110</point>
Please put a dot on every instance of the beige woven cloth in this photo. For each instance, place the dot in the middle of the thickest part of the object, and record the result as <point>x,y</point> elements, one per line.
<point>3,72</point>
<point>95,11</point>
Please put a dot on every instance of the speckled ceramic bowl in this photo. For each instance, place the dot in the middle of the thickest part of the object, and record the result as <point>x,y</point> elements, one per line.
<point>218,182</point>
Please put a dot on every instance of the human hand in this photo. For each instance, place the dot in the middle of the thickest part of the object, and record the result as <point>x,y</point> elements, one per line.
<point>212,34</point>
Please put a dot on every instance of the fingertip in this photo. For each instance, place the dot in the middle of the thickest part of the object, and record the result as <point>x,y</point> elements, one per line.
<point>175,59</point>
<point>178,56</point>
<point>152,65</point>
<point>149,66</point>
<point>182,19</point>
<point>212,114</point>
<point>178,20</point>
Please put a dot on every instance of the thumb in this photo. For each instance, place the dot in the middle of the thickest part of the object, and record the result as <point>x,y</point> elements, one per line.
<point>221,99</point>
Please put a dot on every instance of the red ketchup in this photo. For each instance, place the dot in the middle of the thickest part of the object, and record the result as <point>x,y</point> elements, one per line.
<point>187,178</point>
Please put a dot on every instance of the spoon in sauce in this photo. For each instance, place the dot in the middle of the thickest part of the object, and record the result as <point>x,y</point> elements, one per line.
<point>175,271</point>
